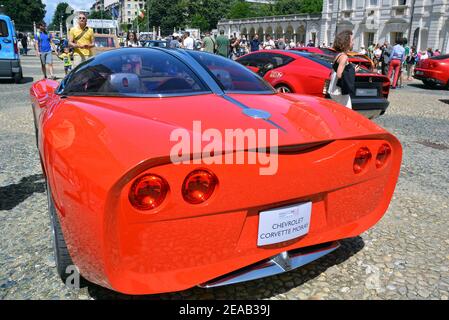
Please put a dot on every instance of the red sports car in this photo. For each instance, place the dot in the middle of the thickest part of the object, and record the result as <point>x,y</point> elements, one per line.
<point>309,73</point>
<point>153,185</point>
<point>433,71</point>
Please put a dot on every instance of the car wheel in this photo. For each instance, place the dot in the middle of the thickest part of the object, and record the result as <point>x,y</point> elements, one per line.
<point>283,89</point>
<point>429,84</point>
<point>18,77</point>
<point>62,256</point>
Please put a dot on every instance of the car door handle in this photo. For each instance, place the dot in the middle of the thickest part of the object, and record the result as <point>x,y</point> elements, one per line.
<point>6,41</point>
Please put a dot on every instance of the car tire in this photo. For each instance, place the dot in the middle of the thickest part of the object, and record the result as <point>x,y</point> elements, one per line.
<point>282,88</point>
<point>18,77</point>
<point>428,84</point>
<point>61,253</point>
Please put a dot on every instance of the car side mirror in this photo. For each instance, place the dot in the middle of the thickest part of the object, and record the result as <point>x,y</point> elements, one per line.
<point>268,67</point>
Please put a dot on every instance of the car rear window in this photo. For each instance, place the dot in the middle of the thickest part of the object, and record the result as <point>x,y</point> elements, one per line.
<point>230,75</point>
<point>322,59</point>
<point>132,72</point>
<point>4,32</point>
<point>441,57</point>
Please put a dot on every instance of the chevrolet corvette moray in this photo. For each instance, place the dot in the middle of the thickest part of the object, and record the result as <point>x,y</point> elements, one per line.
<point>147,193</point>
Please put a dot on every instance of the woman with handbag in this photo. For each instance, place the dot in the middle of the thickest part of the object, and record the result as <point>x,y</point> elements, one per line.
<point>342,84</point>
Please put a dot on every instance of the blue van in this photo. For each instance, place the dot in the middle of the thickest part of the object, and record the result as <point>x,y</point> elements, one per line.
<point>9,51</point>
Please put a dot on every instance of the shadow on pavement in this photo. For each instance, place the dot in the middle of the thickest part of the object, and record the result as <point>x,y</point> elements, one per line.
<point>258,289</point>
<point>422,86</point>
<point>23,81</point>
<point>14,194</point>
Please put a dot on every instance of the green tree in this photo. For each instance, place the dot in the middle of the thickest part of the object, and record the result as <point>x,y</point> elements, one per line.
<point>100,15</point>
<point>282,7</point>
<point>24,12</point>
<point>311,6</point>
<point>59,16</point>
<point>240,9</point>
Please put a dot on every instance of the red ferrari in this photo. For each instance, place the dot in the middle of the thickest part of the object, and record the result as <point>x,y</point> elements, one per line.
<point>139,214</point>
<point>309,73</point>
<point>433,71</point>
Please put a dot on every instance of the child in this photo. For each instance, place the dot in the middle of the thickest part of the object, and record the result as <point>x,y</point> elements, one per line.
<point>67,62</point>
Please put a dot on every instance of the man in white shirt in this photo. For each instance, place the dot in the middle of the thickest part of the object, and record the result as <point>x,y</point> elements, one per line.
<point>188,42</point>
<point>269,44</point>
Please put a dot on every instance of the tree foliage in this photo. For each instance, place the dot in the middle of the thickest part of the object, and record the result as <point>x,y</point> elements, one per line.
<point>205,14</point>
<point>59,16</point>
<point>24,12</point>
<point>100,15</point>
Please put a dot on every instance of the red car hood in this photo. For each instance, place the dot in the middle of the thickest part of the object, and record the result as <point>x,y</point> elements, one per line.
<point>147,123</point>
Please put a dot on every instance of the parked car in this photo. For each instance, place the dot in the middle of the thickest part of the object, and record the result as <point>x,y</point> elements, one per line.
<point>309,73</point>
<point>155,43</point>
<point>433,71</point>
<point>354,57</point>
<point>105,42</point>
<point>140,215</point>
<point>10,67</point>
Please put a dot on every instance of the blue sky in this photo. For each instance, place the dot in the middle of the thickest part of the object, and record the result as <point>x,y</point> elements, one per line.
<point>50,6</point>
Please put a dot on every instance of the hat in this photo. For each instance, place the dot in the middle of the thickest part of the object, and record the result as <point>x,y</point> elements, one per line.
<point>175,34</point>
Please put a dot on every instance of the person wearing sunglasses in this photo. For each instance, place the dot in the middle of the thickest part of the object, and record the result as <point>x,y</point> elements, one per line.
<point>81,39</point>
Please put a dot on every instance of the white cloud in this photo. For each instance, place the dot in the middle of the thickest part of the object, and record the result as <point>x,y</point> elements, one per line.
<point>76,4</point>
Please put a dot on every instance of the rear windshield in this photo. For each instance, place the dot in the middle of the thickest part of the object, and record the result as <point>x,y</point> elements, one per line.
<point>322,59</point>
<point>3,29</point>
<point>230,75</point>
<point>441,57</point>
<point>132,72</point>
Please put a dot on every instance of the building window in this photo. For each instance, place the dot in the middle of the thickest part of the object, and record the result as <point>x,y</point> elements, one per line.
<point>372,3</point>
<point>395,36</point>
<point>348,4</point>
<point>369,39</point>
<point>402,2</point>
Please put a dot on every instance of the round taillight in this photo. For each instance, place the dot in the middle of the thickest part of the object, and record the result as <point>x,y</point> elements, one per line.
<point>382,155</point>
<point>362,157</point>
<point>198,186</point>
<point>148,192</point>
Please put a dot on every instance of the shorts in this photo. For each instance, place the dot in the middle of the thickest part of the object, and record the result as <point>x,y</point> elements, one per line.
<point>46,58</point>
<point>67,68</point>
<point>77,59</point>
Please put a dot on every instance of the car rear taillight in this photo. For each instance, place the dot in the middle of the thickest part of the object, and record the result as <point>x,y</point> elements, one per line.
<point>148,192</point>
<point>361,160</point>
<point>198,186</point>
<point>16,47</point>
<point>383,154</point>
<point>326,87</point>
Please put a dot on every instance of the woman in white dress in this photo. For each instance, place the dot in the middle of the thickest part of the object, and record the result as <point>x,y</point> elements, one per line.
<point>131,40</point>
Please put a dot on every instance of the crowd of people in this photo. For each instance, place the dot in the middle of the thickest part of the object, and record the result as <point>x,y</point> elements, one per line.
<point>234,46</point>
<point>385,58</point>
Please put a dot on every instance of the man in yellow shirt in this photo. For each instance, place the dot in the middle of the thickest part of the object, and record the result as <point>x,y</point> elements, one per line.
<point>81,38</point>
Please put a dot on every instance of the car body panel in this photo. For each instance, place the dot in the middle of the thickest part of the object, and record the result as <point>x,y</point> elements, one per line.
<point>179,245</point>
<point>435,69</point>
<point>9,53</point>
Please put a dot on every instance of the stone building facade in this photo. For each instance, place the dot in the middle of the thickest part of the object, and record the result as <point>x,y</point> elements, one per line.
<point>300,27</point>
<point>424,22</point>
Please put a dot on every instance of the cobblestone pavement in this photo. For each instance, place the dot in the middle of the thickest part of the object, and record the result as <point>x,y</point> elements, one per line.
<point>405,256</point>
